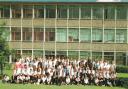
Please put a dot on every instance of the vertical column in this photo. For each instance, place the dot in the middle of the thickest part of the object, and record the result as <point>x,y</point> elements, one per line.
<point>32,31</point>
<point>91,22</point>
<point>10,56</point>
<point>115,34</point>
<point>103,25</point>
<point>91,33</point>
<point>79,29</point>
<point>21,27</point>
<point>103,36</point>
<point>67,27</point>
<point>115,23</point>
<point>55,29</point>
<point>44,31</point>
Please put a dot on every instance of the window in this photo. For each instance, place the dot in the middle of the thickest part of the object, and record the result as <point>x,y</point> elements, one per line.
<point>27,11</point>
<point>49,53</point>
<point>73,34</point>
<point>109,56</point>
<point>61,35</point>
<point>109,12</point>
<point>16,33</point>
<point>38,53</point>
<point>39,11</point>
<point>61,54</point>
<point>96,55</point>
<point>85,12</point>
<point>85,35</point>
<point>84,55</point>
<point>49,34</point>
<point>62,11</point>
<point>27,34</point>
<point>50,11</point>
<point>16,11</point>
<point>38,34</point>
<point>109,35</point>
<point>121,12</point>
<point>121,36</point>
<point>121,58</point>
<point>73,12</point>
<point>4,11</point>
<point>97,12</point>
<point>97,35</point>
<point>27,52</point>
<point>73,55</point>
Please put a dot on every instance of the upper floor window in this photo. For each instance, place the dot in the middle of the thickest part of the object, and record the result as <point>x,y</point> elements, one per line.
<point>4,11</point>
<point>16,11</point>
<point>97,12</point>
<point>73,12</point>
<point>85,12</point>
<point>50,11</point>
<point>27,11</point>
<point>39,11</point>
<point>121,13</point>
<point>109,12</point>
<point>62,11</point>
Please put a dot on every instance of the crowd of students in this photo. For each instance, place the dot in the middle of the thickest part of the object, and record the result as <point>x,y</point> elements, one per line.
<point>63,71</point>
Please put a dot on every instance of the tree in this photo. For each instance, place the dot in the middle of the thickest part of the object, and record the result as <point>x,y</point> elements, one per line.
<point>4,47</point>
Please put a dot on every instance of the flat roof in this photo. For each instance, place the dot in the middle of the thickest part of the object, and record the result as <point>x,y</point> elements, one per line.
<point>66,1</point>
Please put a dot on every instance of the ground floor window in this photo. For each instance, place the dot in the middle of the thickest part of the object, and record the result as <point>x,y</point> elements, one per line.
<point>121,58</point>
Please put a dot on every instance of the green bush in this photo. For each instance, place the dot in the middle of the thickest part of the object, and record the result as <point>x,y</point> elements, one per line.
<point>122,69</point>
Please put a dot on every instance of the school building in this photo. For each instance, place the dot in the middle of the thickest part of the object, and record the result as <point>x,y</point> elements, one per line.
<point>74,28</point>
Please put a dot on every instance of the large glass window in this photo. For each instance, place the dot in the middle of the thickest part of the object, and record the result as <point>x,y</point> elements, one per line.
<point>27,53</point>
<point>73,55</point>
<point>121,58</point>
<point>84,54</point>
<point>49,53</point>
<point>16,11</point>
<point>50,11</point>
<point>109,35</point>
<point>62,11</point>
<point>61,35</point>
<point>121,12</point>
<point>38,34</point>
<point>49,34</point>
<point>4,11</point>
<point>109,56</point>
<point>27,11</point>
<point>73,34</point>
<point>97,35</point>
<point>85,12</point>
<point>85,35</point>
<point>121,35</point>
<point>109,12</point>
<point>39,11</point>
<point>96,55</point>
<point>27,34</point>
<point>16,34</point>
<point>61,54</point>
<point>97,12</point>
<point>38,53</point>
<point>73,12</point>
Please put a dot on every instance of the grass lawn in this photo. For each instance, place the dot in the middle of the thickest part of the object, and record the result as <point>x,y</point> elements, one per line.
<point>32,86</point>
<point>124,75</point>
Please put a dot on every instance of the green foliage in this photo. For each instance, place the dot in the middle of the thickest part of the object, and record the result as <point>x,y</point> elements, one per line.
<point>122,69</point>
<point>4,47</point>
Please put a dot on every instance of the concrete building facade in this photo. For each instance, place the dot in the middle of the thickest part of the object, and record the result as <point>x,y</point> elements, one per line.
<point>76,29</point>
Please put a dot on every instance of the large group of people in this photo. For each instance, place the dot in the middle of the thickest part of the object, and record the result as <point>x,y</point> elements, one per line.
<point>63,71</point>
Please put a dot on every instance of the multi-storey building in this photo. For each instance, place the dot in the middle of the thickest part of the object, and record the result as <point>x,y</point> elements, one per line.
<point>73,28</point>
